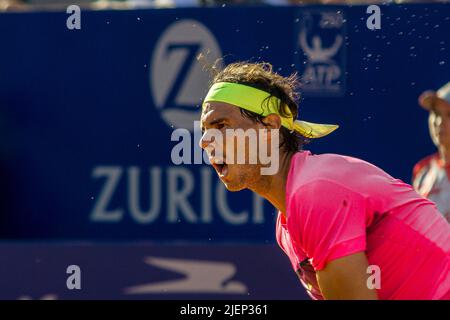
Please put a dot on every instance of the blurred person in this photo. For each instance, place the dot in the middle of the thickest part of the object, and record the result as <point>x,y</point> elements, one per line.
<point>420,1</point>
<point>223,3</point>
<point>57,5</point>
<point>338,217</point>
<point>12,5</point>
<point>176,3</point>
<point>330,2</point>
<point>143,4</point>
<point>431,175</point>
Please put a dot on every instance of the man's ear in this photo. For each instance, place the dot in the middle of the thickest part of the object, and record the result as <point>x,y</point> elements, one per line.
<point>272,121</point>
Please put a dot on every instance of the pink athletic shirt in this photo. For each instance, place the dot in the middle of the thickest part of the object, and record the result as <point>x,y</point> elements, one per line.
<point>338,205</point>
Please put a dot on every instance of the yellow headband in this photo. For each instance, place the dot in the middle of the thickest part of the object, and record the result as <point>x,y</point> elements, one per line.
<point>260,102</point>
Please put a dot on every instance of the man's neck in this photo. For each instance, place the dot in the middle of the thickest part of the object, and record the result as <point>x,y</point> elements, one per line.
<point>444,154</point>
<point>273,187</point>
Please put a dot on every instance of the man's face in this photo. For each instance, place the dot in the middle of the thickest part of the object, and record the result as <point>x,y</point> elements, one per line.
<point>218,117</point>
<point>439,123</point>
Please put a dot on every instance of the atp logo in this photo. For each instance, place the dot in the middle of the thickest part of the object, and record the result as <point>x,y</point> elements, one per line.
<point>317,53</point>
<point>321,38</point>
<point>177,80</point>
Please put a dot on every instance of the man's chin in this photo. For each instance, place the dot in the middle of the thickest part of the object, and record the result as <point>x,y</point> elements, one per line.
<point>230,186</point>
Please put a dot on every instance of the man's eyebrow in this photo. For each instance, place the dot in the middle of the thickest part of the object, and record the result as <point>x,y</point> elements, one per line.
<point>213,122</point>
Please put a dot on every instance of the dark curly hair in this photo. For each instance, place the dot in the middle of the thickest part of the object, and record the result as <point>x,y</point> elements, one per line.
<point>260,75</point>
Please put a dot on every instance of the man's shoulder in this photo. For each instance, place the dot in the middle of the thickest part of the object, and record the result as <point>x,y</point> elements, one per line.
<point>321,191</point>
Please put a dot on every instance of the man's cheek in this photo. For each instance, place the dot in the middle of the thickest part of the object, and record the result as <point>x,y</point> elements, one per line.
<point>230,150</point>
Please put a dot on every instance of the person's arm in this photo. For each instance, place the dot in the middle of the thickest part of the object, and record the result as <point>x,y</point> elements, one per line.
<point>346,279</point>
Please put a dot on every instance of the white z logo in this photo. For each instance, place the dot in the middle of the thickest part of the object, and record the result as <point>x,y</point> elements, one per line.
<point>100,213</point>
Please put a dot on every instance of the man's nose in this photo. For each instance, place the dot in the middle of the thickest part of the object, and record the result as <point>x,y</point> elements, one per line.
<point>203,143</point>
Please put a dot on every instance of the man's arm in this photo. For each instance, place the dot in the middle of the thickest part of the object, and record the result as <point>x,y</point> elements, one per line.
<point>346,279</point>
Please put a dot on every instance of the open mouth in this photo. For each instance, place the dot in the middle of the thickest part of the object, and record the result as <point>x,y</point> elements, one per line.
<point>221,168</point>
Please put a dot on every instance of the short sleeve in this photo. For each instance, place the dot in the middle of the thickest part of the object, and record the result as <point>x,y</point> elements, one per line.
<point>328,220</point>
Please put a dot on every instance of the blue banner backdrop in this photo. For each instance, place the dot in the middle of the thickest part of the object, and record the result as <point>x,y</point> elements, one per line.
<point>86,116</point>
<point>146,271</point>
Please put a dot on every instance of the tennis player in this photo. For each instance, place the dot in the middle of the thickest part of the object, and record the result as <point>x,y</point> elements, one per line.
<point>431,175</point>
<point>341,221</point>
